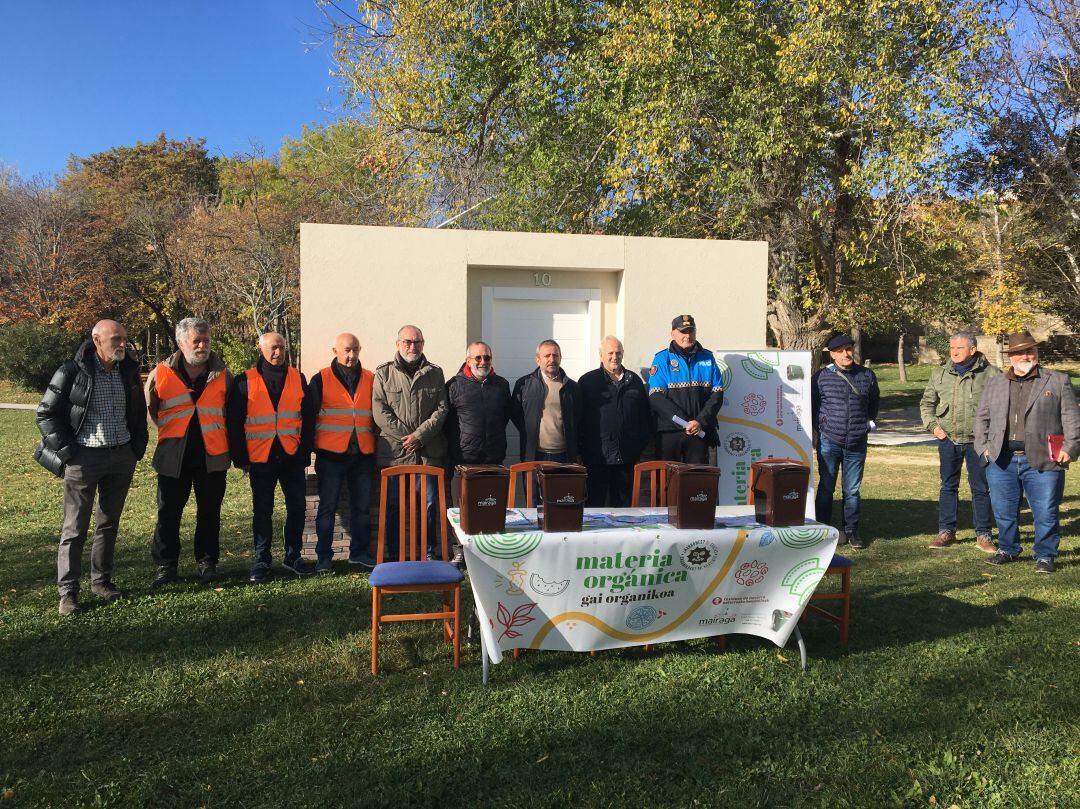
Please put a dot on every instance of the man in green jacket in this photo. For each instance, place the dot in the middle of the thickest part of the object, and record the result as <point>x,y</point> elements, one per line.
<point>948,411</point>
<point>409,406</point>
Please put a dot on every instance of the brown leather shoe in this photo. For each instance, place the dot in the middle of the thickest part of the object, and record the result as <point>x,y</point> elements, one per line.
<point>985,544</point>
<point>944,540</point>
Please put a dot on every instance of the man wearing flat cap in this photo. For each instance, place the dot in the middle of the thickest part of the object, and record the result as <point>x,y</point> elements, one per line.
<point>844,402</point>
<point>685,392</point>
<point>1027,430</point>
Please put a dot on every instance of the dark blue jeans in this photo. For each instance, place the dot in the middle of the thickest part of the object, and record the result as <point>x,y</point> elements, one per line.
<point>953,457</point>
<point>356,472</point>
<point>1011,478</point>
<point>832,458</point>
<point>264,481</point>
<point>432,499</point>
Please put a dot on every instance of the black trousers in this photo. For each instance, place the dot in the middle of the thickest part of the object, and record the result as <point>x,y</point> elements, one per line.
<point>172,496</point>
<point>678,446</point>
<point>610,484</point>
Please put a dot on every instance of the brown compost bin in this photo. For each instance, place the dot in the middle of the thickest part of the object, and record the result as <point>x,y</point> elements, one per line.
<point>691,495</point>
<point>562,497</point>
<point>779,487</point>
<point>484,489</point>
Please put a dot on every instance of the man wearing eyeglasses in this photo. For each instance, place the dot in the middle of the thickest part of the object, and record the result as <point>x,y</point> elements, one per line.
<point>479,401</point>
<point>409,405</point>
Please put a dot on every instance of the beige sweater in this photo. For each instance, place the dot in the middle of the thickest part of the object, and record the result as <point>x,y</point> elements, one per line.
<point>552,437</point>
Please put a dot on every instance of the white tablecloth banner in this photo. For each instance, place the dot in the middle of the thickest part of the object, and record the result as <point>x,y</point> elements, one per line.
<point>647,583</point>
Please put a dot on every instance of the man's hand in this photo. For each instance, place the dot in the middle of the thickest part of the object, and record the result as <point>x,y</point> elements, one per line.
<point>1063,458</point>
<point>411,443</point>
<point>693,427</point>
<point>940,434</point>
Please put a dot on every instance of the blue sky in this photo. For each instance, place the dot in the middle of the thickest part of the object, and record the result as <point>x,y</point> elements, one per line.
<point>78,78</point>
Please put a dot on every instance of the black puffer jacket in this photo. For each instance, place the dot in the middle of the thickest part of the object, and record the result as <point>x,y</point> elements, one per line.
<point>616,421</point>
<point>479,413</point>
<point>63,408</point>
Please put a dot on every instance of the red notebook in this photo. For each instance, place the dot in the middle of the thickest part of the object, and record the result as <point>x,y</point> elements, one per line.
<point>1053,444</point>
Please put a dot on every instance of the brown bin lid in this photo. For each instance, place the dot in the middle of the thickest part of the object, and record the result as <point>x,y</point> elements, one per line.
<point>561,469</point>
<point>476,470</point>
<point>780,465</point>
<point>693,469</point>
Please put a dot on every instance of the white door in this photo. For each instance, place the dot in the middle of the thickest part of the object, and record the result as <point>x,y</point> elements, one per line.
<point>516,319</point>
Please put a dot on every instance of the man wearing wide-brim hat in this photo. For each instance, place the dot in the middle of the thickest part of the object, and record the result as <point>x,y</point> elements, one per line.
<point>1027,430</point>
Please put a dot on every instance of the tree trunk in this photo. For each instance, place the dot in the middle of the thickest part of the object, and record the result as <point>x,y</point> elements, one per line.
<point>797,330</point>
<point>856,336</point>
<point>900,358</point>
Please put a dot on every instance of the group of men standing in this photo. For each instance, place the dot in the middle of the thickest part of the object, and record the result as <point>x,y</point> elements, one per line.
<point>1016,432</point>
<point>268,420</point>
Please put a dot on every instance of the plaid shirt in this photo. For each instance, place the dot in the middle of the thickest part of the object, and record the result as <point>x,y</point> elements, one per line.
<point>105,424</point>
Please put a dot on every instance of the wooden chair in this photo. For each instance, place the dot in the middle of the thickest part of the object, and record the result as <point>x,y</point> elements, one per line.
<point>414,573</point>
<point>657,477</point>
<point>841,566</point>
<point>527,469</point>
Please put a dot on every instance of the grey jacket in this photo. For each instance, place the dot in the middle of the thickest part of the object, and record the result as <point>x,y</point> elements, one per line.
<point>1051,409</point>
<point>169,454</point>
<point>950,400</point>
<point>402,406</point>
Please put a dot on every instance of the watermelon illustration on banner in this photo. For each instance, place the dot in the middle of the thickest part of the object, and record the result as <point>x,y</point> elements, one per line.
<point>766,414</point>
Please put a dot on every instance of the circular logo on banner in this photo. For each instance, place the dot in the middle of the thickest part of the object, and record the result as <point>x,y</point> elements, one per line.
<point>753,404</point>
<point>506,546</point>
<point>751,573</point>
<point>641,617</point>
<point>698,555</point>
<point>737,444</point>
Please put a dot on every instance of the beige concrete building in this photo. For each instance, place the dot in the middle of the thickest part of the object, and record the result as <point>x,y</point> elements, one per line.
<point>514,289</point>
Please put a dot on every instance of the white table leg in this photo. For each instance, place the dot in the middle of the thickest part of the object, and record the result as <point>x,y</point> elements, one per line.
<point>802,646</point>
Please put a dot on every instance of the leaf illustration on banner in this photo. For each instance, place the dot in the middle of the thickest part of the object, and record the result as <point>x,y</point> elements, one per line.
<point>519,617</point>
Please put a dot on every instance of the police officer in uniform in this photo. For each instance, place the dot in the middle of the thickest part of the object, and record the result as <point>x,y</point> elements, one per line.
<point>685,384</point>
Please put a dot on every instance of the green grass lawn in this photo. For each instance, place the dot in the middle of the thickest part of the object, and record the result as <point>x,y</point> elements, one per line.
<point>958,687</point>
<point>896,395</point>
<point>10,393</point>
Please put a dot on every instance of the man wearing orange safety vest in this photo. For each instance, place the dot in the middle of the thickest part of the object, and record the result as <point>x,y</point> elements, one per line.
<point>186,397</point>
<point>340,397</point>
<point>270,432</point>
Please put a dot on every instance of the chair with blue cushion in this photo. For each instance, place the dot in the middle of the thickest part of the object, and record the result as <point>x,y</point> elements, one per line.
<point>840,566</point>
<point>414,573</point>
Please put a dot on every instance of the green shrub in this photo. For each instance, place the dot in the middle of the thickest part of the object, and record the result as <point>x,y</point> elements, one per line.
<point>31,352</point>
<point>940,344</point>
<point>237,353</point>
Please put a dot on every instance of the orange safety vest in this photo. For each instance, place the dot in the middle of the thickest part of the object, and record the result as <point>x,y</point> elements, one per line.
<point>263,423</point>
<point>176,407</point>
<point>341,416</point>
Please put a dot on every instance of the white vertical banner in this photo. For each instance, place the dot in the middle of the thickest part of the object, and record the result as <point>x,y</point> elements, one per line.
<point>766,414</point>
